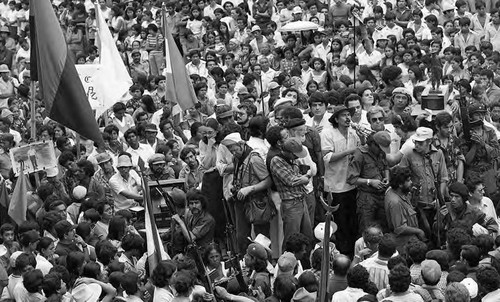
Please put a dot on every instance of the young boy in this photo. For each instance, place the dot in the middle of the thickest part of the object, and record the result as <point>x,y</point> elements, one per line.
<point>8,246</point>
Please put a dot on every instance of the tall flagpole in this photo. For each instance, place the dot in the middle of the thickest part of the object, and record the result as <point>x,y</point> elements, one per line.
<point>33,122</point>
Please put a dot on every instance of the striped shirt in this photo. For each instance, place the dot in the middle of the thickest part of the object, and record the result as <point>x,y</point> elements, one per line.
<point>155,42</point>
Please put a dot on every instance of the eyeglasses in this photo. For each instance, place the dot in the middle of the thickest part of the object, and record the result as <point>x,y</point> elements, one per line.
<point>377,119</point>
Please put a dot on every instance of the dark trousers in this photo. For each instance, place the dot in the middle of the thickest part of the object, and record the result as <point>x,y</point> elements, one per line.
<point>345,218</point>
<point>370,210</point>
<point>243,227</point>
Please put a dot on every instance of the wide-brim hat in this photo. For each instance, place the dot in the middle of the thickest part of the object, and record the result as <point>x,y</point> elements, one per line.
<point>262,240</point>
<point>339,109</point>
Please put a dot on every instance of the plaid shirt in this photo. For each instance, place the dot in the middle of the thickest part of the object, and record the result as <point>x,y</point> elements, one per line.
<point>284,175</point>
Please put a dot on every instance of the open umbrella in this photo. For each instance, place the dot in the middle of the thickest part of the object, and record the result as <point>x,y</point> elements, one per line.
<point>300,26</point>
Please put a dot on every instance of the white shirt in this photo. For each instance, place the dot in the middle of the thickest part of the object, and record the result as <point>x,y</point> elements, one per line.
<point>118,184</point>
<point>144,151</point>
<point>43,264</point>
<point>349,294</point>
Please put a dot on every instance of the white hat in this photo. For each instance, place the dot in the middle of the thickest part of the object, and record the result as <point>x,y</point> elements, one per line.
<point>471,286</point>
<point>282,101</point>
<point>447,6</point>
<point>52,172</point>
<point>422,134</point>
<point>256,28</point>
<point>319,230</point>
<point>79,192</point>
<point>262,240</point>
<point>124,161</point>
<point>13,258</point>
<point>231,139</point>
<point>297,10</point>
<point>4,68</point>
<point>86,292</point>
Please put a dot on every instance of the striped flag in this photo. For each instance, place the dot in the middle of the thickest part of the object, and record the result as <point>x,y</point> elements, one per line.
<point>112,79</point>
<point>179,87</point>
<point>156,252</point>
<point>53,66</point>
<point>18,202</point>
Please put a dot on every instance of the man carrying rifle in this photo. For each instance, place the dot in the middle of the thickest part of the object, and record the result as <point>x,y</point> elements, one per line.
<point>461,211</point>
<point>429,175</point>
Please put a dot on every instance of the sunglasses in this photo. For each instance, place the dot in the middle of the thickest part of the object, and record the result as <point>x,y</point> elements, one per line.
<point>377,119</point>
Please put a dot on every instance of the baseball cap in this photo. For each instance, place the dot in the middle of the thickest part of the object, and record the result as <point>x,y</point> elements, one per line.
<point>422,134</point>
<point>431,270</point>
<point>294,146</point>
<point>256,250</point>
<point>150,128</point>
<point>13,258</point>
<point>476,107</point>
<point>383,140</point>
<point>447,6</point>
<point>157,158</point>
<point>256,28</point>
<point>63,227</point>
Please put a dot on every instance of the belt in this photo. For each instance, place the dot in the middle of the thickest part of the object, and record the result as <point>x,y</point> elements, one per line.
<point>294,199</point>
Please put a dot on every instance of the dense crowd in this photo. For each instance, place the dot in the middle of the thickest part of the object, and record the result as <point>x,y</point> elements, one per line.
<point>386,113</point>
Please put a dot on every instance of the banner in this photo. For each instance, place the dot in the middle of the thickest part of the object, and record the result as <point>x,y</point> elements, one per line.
<point>35,157</point>
<point>87,74</point>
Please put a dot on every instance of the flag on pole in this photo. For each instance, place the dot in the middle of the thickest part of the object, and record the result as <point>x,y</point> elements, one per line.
<point>179,87</point>
<point>18,202</point>
<point>112,80</point>
<point>156,252</point>
<point>53,66</point>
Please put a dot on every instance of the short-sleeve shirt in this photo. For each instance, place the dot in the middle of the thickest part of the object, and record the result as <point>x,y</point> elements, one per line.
<point>253,170</point>
<point>202,226</point>
<point>118,184</point>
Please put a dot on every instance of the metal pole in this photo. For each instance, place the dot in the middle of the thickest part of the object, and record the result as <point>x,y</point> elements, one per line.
<point>33,123</point>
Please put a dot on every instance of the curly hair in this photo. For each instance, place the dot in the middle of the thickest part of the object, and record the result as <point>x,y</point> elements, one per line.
<point>488,278</point>
<point>295,242</point>
<point>399,279</point>
<point>358,277</point>
<point>399,176</point>
<point>416,250</point>
<point>457,237</point>
<point>162,273</point>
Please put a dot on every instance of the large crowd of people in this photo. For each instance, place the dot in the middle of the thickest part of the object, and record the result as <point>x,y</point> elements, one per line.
<point>386,113</point>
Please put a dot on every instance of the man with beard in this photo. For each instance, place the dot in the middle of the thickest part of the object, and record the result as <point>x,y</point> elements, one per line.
<point>369,172</point>
<point>191,173</point>
<point>428,167</point>
<point>198,225</point>
<point>448,144</point>
<point>245,113</point>
<point>126,185</point>
<point>105,172</point>
<point>158,169</point>
<point>250,177</point>
<point>140,153</point>
<point>338,144</point>
<point>401,216</point>
<point>138,68</point>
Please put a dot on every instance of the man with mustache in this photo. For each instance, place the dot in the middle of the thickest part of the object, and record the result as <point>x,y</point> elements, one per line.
<point>338,144</point>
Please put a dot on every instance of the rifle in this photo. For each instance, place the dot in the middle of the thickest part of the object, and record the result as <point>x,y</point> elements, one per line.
<point>198,259</point>
<point>231,246</point>
<point>464,115</point>
<point>439,203</point>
